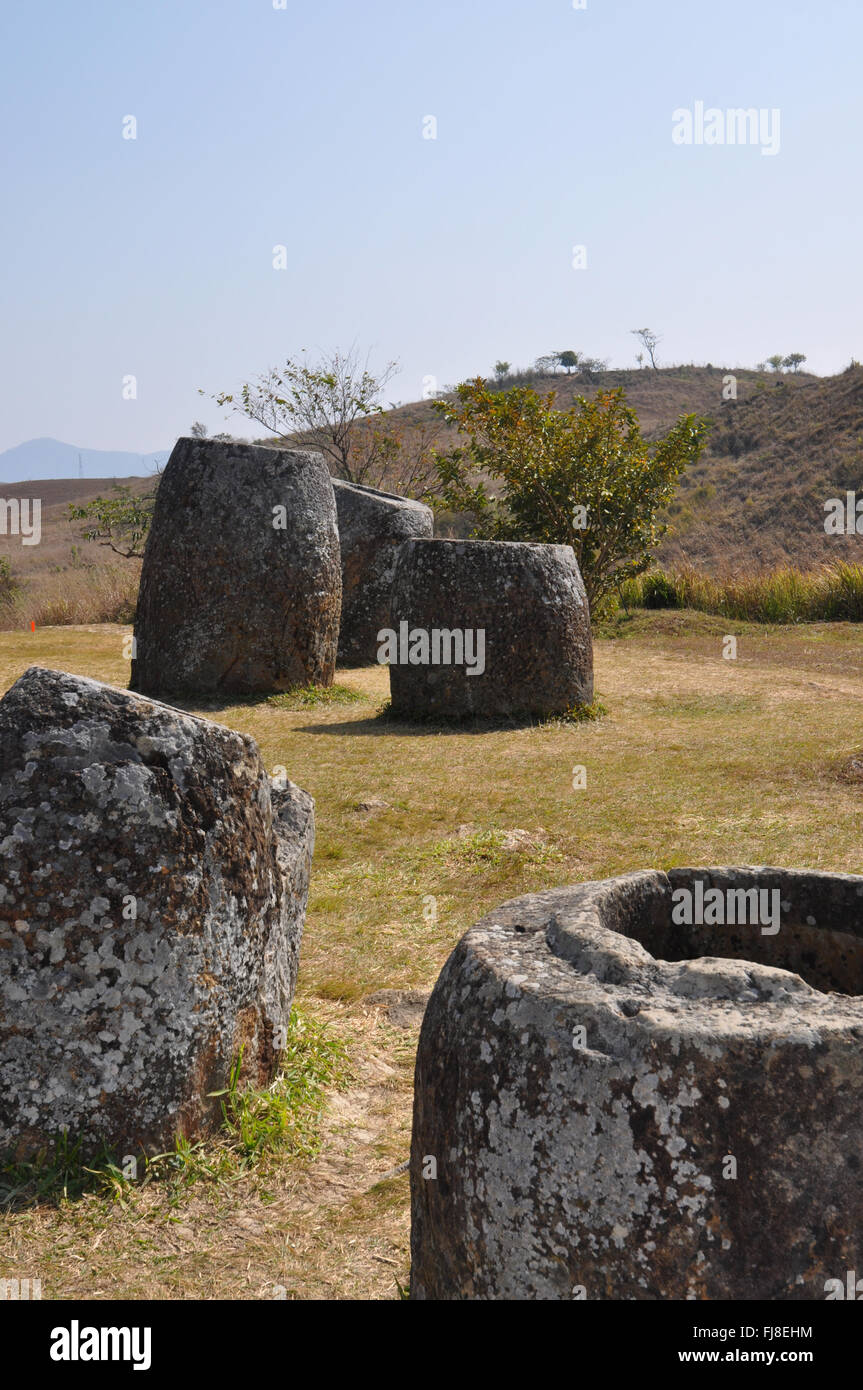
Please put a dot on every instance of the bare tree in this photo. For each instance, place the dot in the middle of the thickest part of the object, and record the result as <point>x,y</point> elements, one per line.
<point>649,341</point>
<point>320,406</point>
<point>589,368</point>
<point>548,364</point>
<point>398,453</point>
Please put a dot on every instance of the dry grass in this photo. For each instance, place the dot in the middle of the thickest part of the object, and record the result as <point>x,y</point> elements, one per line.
<point>699,760</point>
<point>77,595</point>
<point>65,579</point>
<point>830,593</point>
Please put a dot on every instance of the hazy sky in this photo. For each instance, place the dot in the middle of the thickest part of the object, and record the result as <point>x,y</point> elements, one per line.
<point>303,127</point>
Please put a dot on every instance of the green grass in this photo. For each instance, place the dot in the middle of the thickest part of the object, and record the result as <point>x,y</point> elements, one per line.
<point>57,1174</point>
<point>486,847</point>
<point>285,1115</point>
<point>833,593</point>
<point>579,714</point>
<point>307,696</point>
<point>699,760</point>
<point>280,1120</point>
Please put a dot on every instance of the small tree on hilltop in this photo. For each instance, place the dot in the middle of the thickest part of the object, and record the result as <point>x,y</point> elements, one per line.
<point>335,406</point>
<point>794,360</point>
<point>199,431</point>
<point>584,477</point>
<point>501,370</point>
<point>569,360</point>
<point>777,362</point>
<point>649,341</point>
<point>589,368</point>
<point>548,364</point>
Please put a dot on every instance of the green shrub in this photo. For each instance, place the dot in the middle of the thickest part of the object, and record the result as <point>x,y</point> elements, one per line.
<point>659,590</point>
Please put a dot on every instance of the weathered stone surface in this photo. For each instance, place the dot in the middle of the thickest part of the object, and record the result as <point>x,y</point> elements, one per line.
<point>528,600</point>
<point>152,894</point>
<point>231,603</point>
<point>598,1160</point>
<point>372,526</point>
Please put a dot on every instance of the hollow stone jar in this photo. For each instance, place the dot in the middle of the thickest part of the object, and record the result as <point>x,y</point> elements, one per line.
<point>615,1102</point>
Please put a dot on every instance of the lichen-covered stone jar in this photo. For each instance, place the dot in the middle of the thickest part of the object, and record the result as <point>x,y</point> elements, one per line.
<point>241,586</point>
<point>617,1100</point>
<point>153,888</point>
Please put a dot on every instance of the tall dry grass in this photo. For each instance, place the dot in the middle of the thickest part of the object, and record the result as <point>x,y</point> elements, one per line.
<point>831,593</point>
<point>97,594</point>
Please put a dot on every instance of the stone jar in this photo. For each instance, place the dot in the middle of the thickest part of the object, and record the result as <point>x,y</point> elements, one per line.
<point>495,629</point>
<point>372,527</point>
<point>241,582</point>
<point>615,1100</point>
<point>153,888</point>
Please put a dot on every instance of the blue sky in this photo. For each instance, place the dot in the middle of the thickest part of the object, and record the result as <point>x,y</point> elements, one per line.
<point>303,127</point>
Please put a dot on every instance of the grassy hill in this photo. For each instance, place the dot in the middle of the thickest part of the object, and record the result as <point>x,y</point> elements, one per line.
<point>755,500</point>
<point>775,455</point>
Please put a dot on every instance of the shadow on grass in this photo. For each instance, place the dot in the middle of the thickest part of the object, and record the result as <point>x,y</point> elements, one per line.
<point>294,701</point>
<point>399,728</point>
<point>385,722</point>
<point>59,1173</point>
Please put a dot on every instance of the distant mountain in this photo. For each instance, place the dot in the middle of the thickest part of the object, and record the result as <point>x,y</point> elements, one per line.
<point>50,458</point>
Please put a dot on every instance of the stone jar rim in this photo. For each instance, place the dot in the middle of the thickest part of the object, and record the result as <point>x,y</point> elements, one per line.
<point>489,546</point>
<point>379,495</point>
<point>612,943</point>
